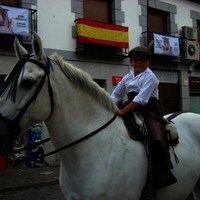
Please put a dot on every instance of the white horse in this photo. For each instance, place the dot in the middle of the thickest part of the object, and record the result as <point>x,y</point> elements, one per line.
<point>108,165</point>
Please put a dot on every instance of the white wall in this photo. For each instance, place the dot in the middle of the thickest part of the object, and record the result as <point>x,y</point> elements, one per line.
<point>55,22</point>
<point>132,12</point>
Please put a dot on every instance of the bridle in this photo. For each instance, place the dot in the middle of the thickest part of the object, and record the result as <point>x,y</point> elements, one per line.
<point>12,85</point>
<point>9,88</point>
<point>46,67</point>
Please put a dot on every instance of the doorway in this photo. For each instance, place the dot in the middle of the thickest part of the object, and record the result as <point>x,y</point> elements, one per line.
<point>169,97</point>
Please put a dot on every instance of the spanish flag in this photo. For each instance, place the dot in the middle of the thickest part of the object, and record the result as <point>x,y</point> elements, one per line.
<point>101,33</point>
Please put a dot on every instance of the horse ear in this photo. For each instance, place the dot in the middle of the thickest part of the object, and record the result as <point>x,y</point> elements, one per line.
<point>20,51</point>
<point>37,47</point>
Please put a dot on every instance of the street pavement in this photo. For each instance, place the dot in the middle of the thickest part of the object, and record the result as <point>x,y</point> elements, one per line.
<point>22,183</point>
<point>18,182</point>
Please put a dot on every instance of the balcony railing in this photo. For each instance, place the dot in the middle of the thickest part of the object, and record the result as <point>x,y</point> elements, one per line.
<point>32,26</point>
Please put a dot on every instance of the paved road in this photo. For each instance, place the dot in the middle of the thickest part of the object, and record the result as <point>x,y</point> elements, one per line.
<point>22,183</point>
<point>49,192</point>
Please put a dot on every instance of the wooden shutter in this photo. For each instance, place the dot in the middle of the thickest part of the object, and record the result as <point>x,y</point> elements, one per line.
<point>97,10</point>
<point>157,21</point>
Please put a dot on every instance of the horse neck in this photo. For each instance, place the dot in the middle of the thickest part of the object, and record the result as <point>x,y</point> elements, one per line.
<point>76,114</point>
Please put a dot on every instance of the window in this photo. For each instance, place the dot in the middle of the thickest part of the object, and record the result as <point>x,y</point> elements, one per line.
<point>100,11</point>
<point>198,38</point>
<point>194,86</point>
<point>97,10</point>
<point>158,27</point>
<point>101,83</point>
<point>171,103</point>
<point>157,21</point>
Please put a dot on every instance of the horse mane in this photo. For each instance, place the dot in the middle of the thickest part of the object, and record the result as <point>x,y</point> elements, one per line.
<point>84,81</point>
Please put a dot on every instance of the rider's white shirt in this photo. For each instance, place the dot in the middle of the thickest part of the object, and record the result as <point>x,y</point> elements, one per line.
<point>145,84</point>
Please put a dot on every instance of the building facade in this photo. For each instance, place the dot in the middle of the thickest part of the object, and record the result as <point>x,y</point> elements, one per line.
<point>56,22</point>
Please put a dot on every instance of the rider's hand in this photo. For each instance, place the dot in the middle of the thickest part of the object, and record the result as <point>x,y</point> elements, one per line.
<point>120,112</point>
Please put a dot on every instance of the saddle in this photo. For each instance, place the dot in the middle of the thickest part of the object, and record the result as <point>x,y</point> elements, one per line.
<point>135,126</point>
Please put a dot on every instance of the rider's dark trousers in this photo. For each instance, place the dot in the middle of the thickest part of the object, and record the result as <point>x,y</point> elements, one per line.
<point>153,117</point>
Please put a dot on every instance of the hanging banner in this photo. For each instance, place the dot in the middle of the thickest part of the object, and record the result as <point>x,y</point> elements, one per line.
<point>101,33</point>
<point>14,20</point>
<point>166,45</point>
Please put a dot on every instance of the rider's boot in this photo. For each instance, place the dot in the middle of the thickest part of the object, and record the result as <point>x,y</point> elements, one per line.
<point>162,166</point>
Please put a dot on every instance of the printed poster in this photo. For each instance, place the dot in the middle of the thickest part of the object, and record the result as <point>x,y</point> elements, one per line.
<point>14,20</point>
<point>166,45</point>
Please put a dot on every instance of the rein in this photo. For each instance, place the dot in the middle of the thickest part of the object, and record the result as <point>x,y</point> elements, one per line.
<point>46,68</point>
<point>83,138</point>
<point>72,143</point>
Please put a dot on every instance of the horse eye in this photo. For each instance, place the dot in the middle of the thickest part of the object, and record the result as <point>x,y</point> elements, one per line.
<point>27,83</point>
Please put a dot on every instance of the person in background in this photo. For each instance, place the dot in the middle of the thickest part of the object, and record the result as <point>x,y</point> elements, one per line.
<point>141,87</point>
<point>35,152</point>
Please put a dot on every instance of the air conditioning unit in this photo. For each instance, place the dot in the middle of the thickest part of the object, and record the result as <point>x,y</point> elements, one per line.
<point>190,50</point>
<point>189,33</point>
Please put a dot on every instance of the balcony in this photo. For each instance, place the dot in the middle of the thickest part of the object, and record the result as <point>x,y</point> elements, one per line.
<point>15,21</point>
<point>101,39</point>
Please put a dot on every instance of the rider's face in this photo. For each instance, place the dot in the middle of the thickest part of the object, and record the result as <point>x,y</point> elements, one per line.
<point>139,63</point>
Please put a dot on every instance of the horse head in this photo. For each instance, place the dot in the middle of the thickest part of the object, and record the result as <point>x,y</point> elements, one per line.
<point>27,82</point>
